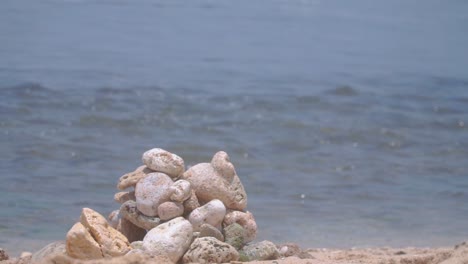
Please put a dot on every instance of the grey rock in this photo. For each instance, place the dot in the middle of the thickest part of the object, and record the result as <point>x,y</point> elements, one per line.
<point>129,211</point>
<point>264,250</point>
<point>234,235</point>
<point>207,230</point>
<point>246,220</point>
<point>210,250</point>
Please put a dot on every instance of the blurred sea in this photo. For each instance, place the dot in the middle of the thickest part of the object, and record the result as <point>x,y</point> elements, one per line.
<point>347,121</point>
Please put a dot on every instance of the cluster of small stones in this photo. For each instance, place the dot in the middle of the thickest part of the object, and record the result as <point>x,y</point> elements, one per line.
<point>195,215</point>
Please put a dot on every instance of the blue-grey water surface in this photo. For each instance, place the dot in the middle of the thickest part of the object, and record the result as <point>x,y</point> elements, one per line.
<point>347,121</point>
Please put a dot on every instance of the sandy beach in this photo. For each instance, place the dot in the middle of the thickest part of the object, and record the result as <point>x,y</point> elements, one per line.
<point>457,254</point>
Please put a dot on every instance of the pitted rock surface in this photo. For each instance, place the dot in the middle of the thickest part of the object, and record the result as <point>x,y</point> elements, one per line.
<point>130,179</point>
<point>164,161</point>
<point>224,184</point>
<point>152,191</point>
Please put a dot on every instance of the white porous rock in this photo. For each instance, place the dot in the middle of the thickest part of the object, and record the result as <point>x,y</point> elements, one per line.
<point>171,239</point>
<point>152,191</point>
<point>211,213</point>
<point>181,191</point>
<point>210,250</point>
<point>217,180</point>
<point>164,161</point>
<point>169,210</point>
<point>246,220</point>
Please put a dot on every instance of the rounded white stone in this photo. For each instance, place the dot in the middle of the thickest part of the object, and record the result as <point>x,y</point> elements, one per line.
<point>152,191</point>
<point>171,239</point>
<point>211,213</point>
<point>169,210</point>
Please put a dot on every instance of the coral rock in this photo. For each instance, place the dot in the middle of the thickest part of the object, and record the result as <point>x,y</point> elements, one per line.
<point>163,161</point>
<point>129,211</point>
<point>234,235</point>
<point>264,250</point>
<point>181,191</point>
<point>81,245</point>
<point>170,210</point>
<point>217,180</point>
<point>112,242</point>
<point>171,239</point>
<point>210,250</point>
<point>207,230</point>
<point>211,213</point>
<point>246,220</point>
<point>132,178</point>
<point>122,197</point>
<point>152,191</point>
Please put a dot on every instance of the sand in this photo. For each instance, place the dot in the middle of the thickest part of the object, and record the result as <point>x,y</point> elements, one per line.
<point>450,255</point>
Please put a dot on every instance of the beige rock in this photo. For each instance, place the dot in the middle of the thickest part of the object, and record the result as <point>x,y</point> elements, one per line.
<point>210,250</point>
<point>163,161</point>
<point>246,220</point>
<point>129,211</point>
<point>211,213</point>
<point>171,239</point>
<point>112,242</point>
<point>54,248</point>
<point>132,178</point>
<point>217,180</point>
<point>181,191</point>
<point>191,203</point>
<point>207,230</point>
<point>81,245</point>
<point>152,191</point>
<point>131,231</point>
<point>122,197</point>
<point>170,210</point>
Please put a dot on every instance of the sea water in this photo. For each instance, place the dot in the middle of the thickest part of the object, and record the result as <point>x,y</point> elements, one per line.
<point>347,121</point>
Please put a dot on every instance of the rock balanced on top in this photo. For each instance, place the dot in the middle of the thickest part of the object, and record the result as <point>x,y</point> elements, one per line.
<point>165,209</point>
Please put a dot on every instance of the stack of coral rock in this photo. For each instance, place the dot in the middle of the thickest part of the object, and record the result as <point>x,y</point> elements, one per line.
<point>197,215</point>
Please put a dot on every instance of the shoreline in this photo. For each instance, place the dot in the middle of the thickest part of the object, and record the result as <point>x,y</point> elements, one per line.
<point>457,254</point>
